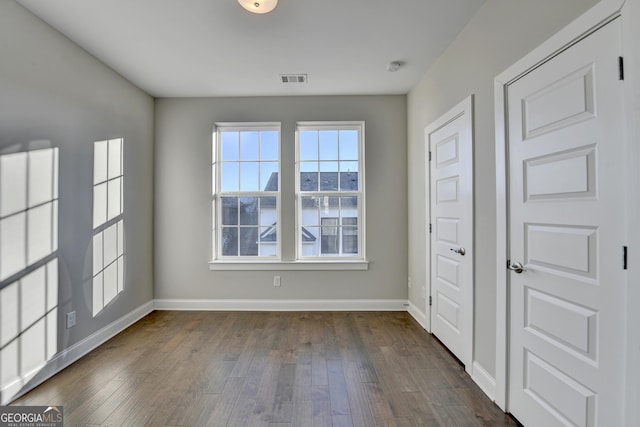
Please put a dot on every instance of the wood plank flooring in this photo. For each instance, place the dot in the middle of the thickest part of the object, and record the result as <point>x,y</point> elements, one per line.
<point>269,369</point>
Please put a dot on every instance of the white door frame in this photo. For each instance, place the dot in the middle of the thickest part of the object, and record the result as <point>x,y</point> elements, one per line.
<point>593,19</point>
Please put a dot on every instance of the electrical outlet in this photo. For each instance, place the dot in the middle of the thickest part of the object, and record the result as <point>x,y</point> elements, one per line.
<point>409,282</point>
<point>276,281</point>
<point>71,319</point>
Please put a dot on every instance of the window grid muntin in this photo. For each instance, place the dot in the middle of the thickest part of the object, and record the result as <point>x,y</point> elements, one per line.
<point>218,194</point>
<point>358,193</point>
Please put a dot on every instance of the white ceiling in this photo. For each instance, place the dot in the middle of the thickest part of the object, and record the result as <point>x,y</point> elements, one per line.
<point>197,48</point>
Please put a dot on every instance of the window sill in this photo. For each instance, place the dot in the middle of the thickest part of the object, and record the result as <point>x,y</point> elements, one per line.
<point>289,265</point>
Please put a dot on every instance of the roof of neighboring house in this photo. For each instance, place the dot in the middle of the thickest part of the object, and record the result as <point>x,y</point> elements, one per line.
<point>329,181</point>
<point>270,235</point>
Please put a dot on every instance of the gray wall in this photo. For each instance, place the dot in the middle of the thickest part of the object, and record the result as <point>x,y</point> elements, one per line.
<point>183,198</point>
<point>502,32</point>
<point>53,91</point>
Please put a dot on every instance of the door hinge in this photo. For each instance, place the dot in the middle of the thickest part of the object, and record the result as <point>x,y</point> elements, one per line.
<point>430,228</point>
<point>429,155</point>
<point>620,68</point>
<point>624,257</point>
<point>430,300</point>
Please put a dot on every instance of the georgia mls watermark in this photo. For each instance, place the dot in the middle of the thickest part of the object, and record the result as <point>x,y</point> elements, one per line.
<point>31,416</point>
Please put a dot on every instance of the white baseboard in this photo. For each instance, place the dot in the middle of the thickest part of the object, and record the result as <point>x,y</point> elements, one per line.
<point>486,382</point>
<point>419,316</point>
<point>280,305</point>
<point>66,357</point>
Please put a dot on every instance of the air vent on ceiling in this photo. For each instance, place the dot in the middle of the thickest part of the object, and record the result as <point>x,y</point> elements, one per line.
<point>293,78</point>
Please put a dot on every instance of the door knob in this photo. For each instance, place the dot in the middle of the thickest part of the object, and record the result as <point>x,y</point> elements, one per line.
<point>460,251</point>
<point>516,267</point>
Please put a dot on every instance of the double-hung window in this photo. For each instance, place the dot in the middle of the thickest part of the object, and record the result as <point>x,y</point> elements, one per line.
<point>330,190</point>
<point>246,191</point>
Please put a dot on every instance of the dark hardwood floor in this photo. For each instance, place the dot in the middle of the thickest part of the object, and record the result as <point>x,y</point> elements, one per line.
<point>269,369</point>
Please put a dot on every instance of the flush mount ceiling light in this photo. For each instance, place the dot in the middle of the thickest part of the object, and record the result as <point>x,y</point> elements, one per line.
<point>394,66</point>
<point>258,6</point>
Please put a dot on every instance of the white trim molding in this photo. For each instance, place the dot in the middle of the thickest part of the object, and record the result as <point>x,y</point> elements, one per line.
<point>600,14</point>
<point>332,265</point>
<point>281,305</point>
<point>484,380</point>
<point>419,316</point>
<point>70,355</point>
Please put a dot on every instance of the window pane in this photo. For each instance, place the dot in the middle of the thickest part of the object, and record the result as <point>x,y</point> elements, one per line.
<point>328,166</point>
<point>249,211</point>
<point>310,211</point>
<point>308,178</point>
<point>348,145</point>
<point>230,147</point>
<point>269,176</point>
<point>229,178</point>
<point>349,167</point>
<point>229,241</point>
<point>349,206</point>
<point>268,240</point>
<point>269,145</point>
<point>230,211</point>
<point>248,241</point>
<point>308,145</point>
<point>249,180</point>
<point>328,145</point>
<point>268,210</point>
<point>248,146</point>
<point>349,235</point>
<point>310,241</point>
<point>329,236</point>
<point>328,181</point>
<point>328,176</point>
<point>328,206</point>
<point>348,181</point>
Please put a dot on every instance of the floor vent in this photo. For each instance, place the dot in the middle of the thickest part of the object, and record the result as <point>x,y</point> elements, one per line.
<point>293,78</point>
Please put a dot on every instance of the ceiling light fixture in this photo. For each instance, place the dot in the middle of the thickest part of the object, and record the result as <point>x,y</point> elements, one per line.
<point>259,6</point>
<point>394,66</point>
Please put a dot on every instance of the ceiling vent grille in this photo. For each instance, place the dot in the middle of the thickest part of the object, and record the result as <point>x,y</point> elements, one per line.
<point>293,78</point>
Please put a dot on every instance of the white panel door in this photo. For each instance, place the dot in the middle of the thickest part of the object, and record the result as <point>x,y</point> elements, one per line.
<point>566,187</point>
<point>451,195</point>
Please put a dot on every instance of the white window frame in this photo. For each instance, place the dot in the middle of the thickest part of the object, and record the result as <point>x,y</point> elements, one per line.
<point>216,208</point>
<point>359,193</point>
